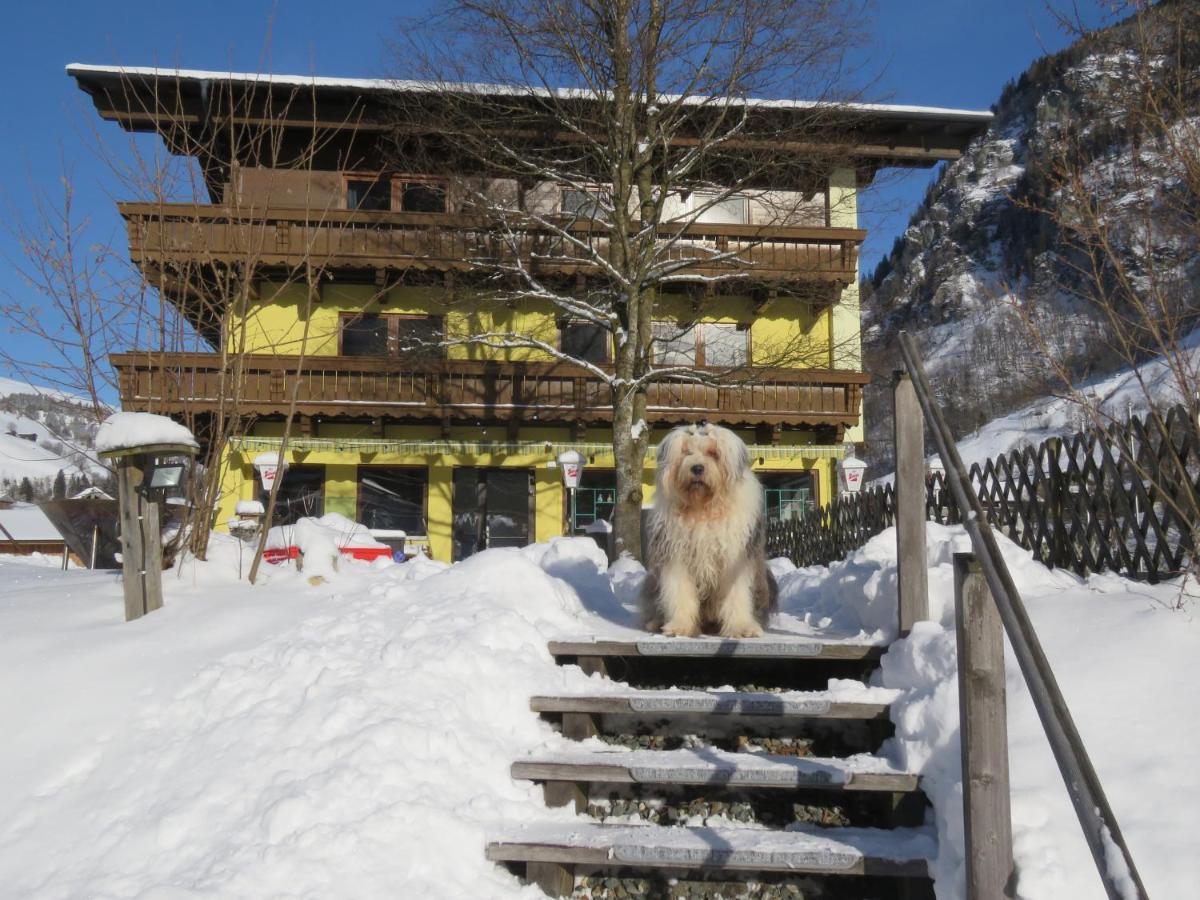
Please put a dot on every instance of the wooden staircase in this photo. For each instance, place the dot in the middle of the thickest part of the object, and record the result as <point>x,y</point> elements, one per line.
<point>691,728</point>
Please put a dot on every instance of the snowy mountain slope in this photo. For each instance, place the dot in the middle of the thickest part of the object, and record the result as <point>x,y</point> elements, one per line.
<point>353,738</point>
<point>995,232</point>
<point>43,431</point>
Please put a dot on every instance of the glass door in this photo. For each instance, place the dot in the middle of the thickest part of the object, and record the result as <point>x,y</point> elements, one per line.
<point>491,509</point>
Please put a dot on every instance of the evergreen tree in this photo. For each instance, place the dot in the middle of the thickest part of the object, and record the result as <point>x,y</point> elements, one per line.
<point>25,491</point>
<point>60,485</point>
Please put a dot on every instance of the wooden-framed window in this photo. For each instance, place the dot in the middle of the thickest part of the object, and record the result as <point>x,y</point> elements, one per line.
<point>788,496</point>
<point>366,192</point>
<point>400,193</point>
<point>301,493</point>
<point>586,203</point>
<point>717,345</point>
<point>392,499</point>
<point>710,207</point>
<point>584,340</point>
<point>392,334</point>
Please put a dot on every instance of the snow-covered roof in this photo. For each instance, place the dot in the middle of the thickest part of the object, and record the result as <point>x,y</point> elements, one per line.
<point>125,430</point>
<point>901,111</point>
<point>25,522</point>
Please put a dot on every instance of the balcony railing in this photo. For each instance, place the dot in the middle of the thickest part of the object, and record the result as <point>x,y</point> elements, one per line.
<point>180,234</point>
<point>463,391</point>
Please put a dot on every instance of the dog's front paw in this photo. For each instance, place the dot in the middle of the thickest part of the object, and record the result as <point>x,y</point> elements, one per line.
<point>676,628</point>
<point>742,631</point>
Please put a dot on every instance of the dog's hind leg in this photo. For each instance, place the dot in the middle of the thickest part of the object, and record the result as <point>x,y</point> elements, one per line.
<point>736,610</point>
<point>680,601</point>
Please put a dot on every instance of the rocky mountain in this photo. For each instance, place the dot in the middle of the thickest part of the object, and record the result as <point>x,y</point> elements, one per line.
<point>998,274</point>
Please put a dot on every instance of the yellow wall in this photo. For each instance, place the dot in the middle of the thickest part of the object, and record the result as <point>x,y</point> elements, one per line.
<point>786,333</point>
<point>341,475</point>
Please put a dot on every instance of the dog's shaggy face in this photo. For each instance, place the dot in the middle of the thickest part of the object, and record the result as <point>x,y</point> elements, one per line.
<point>698,467</point>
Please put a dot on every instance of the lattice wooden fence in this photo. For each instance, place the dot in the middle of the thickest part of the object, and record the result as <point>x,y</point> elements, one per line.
<point>1122,499</point>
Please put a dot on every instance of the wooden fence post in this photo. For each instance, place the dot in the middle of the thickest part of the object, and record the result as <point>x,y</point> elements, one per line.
<point>141,541</point>
<point>911,566</point>
<point>983,730</point>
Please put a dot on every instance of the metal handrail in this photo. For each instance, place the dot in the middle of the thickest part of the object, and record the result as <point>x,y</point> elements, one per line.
<point>1119,874</point>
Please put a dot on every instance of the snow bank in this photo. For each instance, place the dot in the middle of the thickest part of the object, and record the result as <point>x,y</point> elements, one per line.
<point>354,739</point>
<point>123,430</point>
<point>1121,656</point>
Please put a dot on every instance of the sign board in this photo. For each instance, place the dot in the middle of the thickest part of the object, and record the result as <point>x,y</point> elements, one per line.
<point>571,473</point>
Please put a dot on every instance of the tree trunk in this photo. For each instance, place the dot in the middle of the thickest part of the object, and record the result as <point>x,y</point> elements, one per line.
<point>629,454</point>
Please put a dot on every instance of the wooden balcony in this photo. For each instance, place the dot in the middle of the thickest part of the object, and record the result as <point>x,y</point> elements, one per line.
<point>169,235</point>
<point>470,392</point>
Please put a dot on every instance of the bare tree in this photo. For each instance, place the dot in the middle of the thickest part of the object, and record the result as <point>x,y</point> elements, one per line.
<point>187,282</point>
<point>638,113</point>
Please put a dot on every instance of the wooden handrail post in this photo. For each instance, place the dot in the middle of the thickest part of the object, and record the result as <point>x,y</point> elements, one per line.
<point>983,729</point>
<point>911,565</point>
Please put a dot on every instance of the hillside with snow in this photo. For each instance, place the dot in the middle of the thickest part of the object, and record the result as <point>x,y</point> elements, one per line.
<point>42,432</point>
<point>352,738</point>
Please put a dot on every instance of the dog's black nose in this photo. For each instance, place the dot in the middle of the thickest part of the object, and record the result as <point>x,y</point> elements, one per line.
<point>697,470</point>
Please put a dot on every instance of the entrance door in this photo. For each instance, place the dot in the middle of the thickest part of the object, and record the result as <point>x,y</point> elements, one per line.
<point>492,508</point>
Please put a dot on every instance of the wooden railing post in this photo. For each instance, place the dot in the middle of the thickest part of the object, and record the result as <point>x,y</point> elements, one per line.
<point>911,566</point>
<point>983,729</point>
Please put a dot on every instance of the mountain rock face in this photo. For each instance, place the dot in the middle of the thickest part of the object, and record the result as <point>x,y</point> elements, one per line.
<point>996,270</point>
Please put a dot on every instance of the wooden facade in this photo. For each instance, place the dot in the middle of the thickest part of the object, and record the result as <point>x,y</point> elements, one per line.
<point>471,390</point>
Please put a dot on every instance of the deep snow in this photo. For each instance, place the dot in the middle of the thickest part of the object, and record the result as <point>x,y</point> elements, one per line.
<point>353,738</point>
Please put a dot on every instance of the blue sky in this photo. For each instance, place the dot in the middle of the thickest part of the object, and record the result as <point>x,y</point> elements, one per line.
<point>929,52</point>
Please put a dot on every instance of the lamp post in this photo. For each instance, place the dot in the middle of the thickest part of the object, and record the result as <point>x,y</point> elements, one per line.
<point>571,463</point>
<point>143,479</point>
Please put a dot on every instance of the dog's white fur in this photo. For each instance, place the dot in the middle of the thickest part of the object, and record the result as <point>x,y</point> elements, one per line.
<point>706,539</point>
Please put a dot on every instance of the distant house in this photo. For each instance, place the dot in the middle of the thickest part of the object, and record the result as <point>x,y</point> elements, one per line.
<point>24,529</point>
<point>91,493</point>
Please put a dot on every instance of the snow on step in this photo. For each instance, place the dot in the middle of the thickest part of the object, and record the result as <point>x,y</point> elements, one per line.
<point>830,851</point>
<point>845,700</point>
<point>770,646</point>
<point>710,765</point>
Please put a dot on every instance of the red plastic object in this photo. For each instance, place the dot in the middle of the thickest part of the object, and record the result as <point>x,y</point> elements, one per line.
<point>277,555</point>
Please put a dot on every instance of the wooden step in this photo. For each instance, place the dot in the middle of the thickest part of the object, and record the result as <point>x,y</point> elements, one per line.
<point>552,851</point>
<point>866,704</point>
<point>770,646</point>
<point>711,766</point>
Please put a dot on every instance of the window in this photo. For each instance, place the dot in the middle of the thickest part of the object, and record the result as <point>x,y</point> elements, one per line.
<point>675,345</point>
<point>301,493</point>
<point>729,211</point>
<point>385,192</point>
<point>719,345</point>
<point>594,498</point>
<point>369,194</point>
<point>376,334</point>
<point>365,335</point>
<point>584,340</point>
<point>392,498</point>
<point>787,495</point>
<point>589,204</point>
<point>423,196</point>
<point>723,346</point>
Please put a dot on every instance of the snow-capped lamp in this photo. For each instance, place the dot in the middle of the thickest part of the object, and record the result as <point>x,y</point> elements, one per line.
<point>850,471</point>
<point>935,469</point>
<point>151,454</point>
<point>269,468</point>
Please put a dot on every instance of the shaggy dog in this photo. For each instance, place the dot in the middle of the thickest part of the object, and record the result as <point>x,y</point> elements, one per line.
<point>706,541</point>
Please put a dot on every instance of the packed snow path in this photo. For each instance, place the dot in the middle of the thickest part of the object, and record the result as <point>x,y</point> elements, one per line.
<point>741,736</point>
